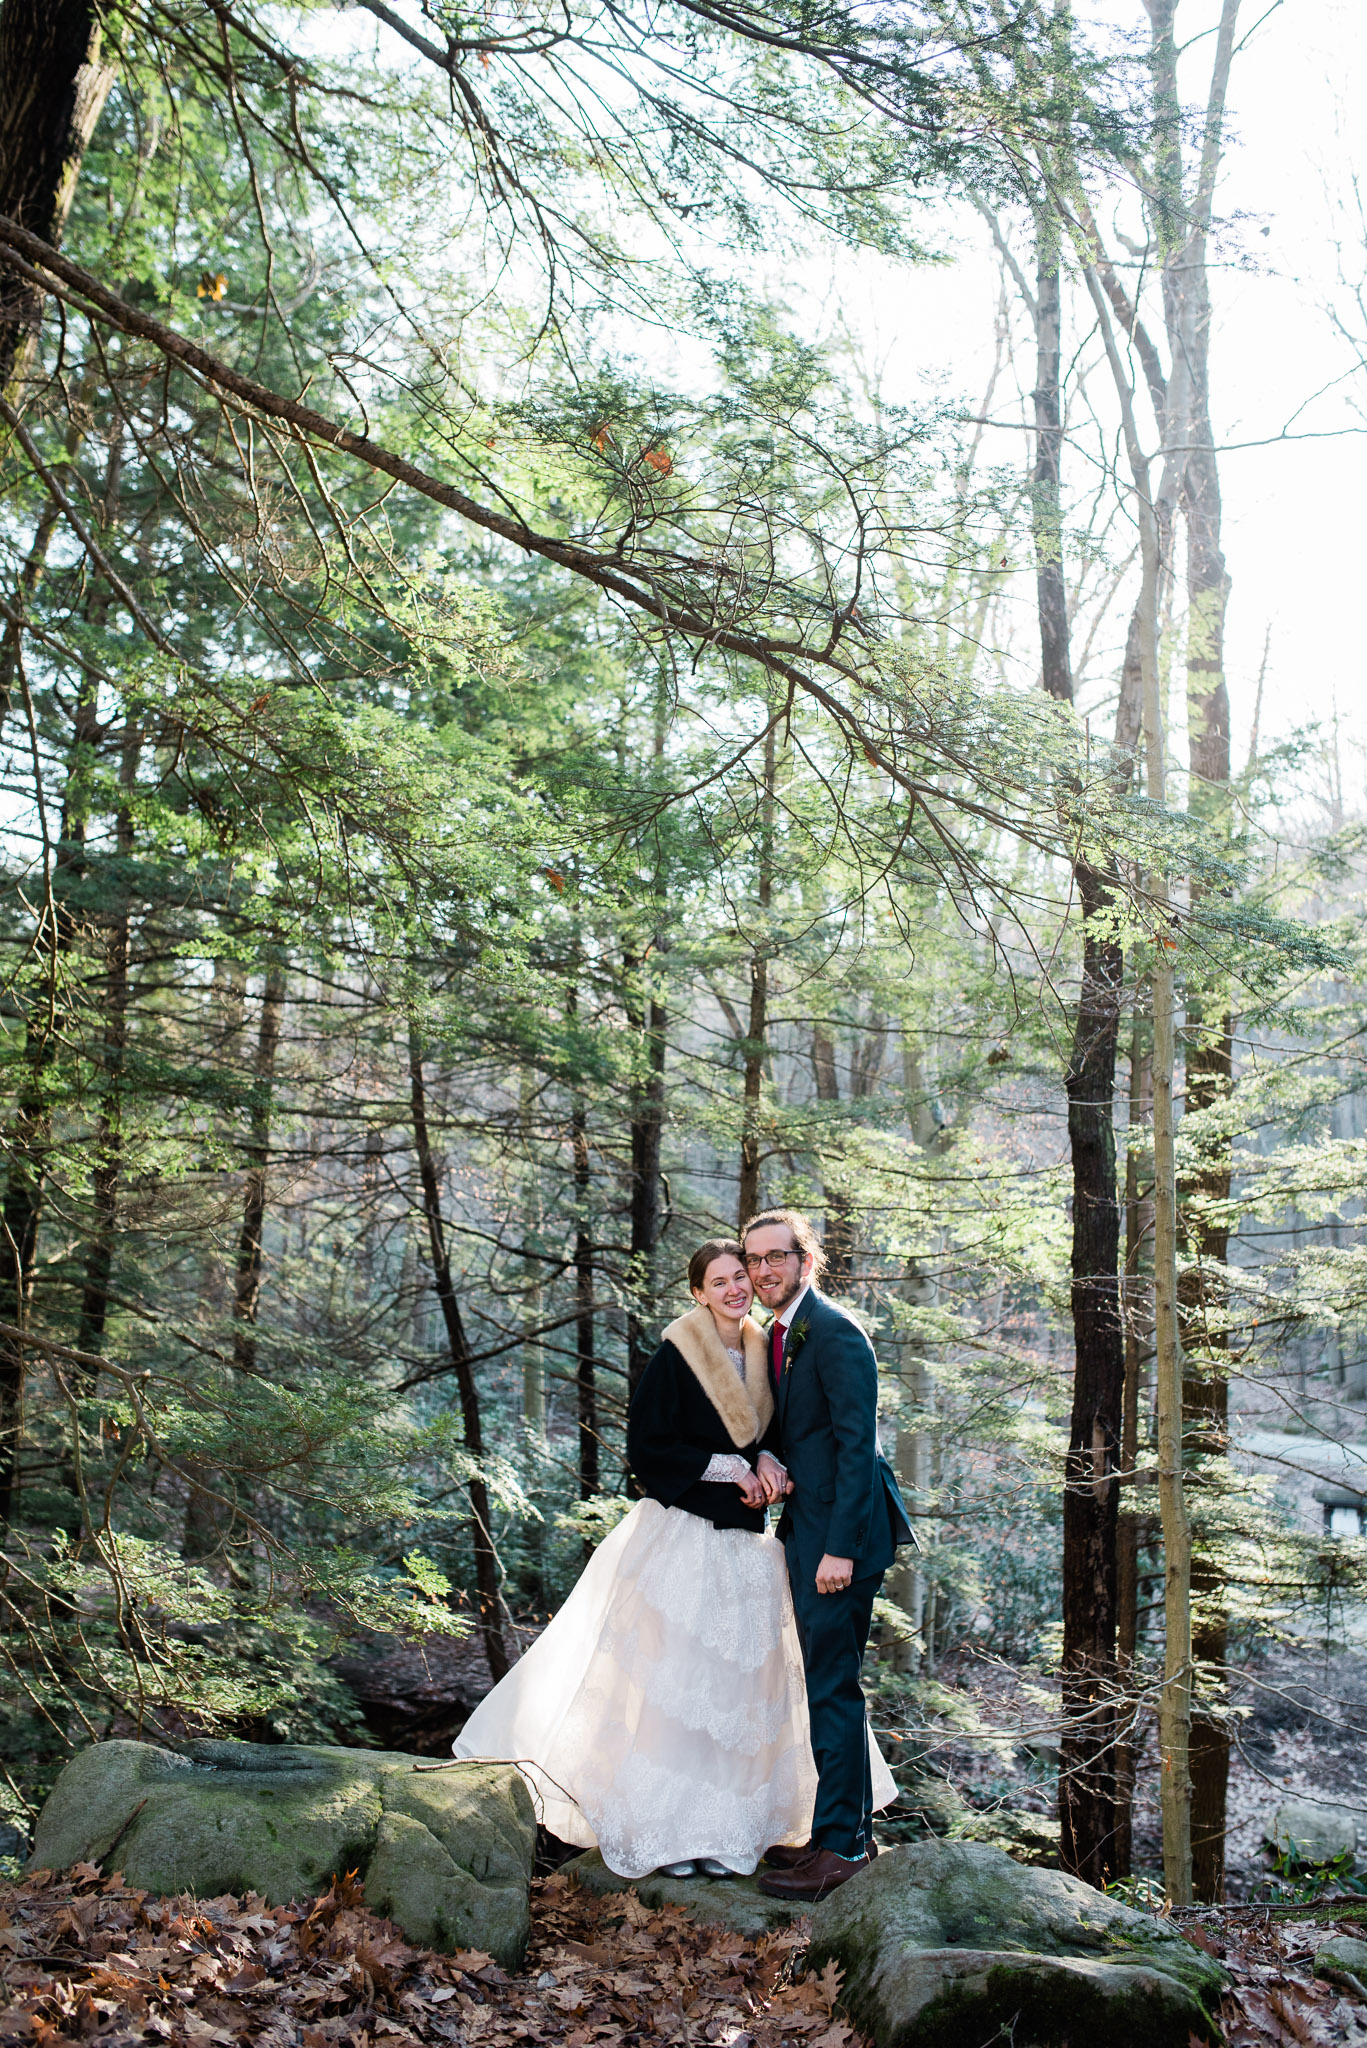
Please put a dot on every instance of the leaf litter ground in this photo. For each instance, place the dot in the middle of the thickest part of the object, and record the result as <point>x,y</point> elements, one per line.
<point>84,1957</point>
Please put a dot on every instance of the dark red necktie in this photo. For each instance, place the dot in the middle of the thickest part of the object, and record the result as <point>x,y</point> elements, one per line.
<point>776,1341</point>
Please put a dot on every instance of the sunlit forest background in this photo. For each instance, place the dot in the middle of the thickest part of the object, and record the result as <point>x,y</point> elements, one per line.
<point>523,743</point>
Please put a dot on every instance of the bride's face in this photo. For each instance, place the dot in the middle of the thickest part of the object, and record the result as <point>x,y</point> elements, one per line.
<point>726,1288</point>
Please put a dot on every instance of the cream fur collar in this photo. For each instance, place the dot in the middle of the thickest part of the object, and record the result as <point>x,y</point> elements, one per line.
<point>745,1410</point>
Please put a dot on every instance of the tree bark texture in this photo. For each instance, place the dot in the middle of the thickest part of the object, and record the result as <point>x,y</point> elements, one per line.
<point>53,86</point>
<point>251,1237</point>
<point>1187,314</point>
<point>838,1240</point>
<point>1205,1434</point>
<point>29,1136</point>
<point>1090,1845</point>
<point>477,1492</point>
<point>756,1046</point>
<point>585,1371</point>
<point>1091,1494</point>
<point>533,1350</point>
<point>1045,502</point>
<point>647,1132</point>
<point>1174,1711</point>
<point>108,1147</point>
<point>752,1086</point>
<point>915,1450</point>
<point>28,1139</point>
<point>1133,1523</point>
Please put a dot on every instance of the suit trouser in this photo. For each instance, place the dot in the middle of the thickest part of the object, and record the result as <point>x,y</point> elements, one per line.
<point>833,1629</point>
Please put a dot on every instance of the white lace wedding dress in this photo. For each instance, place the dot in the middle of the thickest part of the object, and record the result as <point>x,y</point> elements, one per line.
<point>662,1714</point>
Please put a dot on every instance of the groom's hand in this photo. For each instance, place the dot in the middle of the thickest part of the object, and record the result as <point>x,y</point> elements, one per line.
<point>833,1574</point>
<point>773,1478</point>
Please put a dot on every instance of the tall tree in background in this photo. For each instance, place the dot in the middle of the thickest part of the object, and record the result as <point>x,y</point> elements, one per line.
<point>1182,221</point>
<point>1087,1791</point>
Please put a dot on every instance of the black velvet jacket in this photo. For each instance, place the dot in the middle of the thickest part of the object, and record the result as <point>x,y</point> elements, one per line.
<point>691,1403</point>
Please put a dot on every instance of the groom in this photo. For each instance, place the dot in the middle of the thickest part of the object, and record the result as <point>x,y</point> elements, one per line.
<point>841,1523</point>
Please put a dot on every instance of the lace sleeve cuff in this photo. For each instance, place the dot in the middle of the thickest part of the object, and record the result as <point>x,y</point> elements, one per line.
<point>727,1465</point>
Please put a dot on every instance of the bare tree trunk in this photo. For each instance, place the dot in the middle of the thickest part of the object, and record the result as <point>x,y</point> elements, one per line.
<point>247,1287</point>
<point>28,1139</point>
<point>1138,1219</point>
<point>533,1351</point>
<point>838,1240</point>
<point>1205,1414</point>
<point>204,1534</point>
<point>53,86</point>
<point>1209,1045</point>
<point>1046,509</point>
<point>585,1370</point>
<point>482,1531</point>
<point>29,1136</point>
<point>585,1375</point>
<point>914,1447</point>
<point>1209,1071</point>
<point>647,1132</point>
<point>1174,1712</point>
<point>372,1158</point>
<point>108,1145</point>
<point>1087,1789</point>
<point>756,1047</point>
<point>1090,1493</point>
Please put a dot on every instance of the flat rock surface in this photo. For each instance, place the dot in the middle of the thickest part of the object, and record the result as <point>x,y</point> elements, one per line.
<point>448,1854</point>
<point>734,1902</point>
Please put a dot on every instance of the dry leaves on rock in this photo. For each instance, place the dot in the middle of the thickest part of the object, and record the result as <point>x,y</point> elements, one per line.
<point>88,1957</point>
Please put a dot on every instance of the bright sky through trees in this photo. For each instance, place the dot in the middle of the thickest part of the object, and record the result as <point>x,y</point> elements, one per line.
<point>1295,515</point>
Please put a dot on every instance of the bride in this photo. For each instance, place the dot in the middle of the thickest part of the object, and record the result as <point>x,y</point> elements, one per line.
<point>662,1716</point>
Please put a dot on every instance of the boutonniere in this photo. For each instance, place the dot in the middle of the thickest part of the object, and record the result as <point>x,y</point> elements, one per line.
<point>797,1337</point>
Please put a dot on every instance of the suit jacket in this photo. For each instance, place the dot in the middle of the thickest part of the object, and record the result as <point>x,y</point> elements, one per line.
<point>692,1402</point>
<point>845,1500</point>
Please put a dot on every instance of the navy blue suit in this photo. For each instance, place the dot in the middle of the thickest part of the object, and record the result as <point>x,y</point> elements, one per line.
<point>844,1503</point>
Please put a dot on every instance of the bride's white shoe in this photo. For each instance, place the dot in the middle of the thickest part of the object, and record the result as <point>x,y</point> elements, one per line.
<point>687,1869</point>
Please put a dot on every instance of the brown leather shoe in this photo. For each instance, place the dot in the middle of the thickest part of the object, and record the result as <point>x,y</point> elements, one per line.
<point>817,1874</point>
<point>781,1857</point>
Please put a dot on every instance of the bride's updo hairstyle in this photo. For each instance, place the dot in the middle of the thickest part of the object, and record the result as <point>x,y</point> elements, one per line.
<point>715,1248</point>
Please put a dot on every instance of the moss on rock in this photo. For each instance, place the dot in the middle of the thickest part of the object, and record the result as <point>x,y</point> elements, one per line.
<point>938,1937</point>
<point>241,1816</point>
<point>412,1878</point>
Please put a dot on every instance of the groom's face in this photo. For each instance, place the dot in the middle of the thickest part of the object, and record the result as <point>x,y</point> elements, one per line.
<point>778,1270</point>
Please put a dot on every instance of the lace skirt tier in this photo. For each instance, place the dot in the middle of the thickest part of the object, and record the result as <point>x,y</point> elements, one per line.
<point>662,1714</point>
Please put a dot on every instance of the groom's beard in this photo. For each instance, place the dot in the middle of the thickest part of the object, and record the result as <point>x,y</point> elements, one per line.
<point>778,1303</point>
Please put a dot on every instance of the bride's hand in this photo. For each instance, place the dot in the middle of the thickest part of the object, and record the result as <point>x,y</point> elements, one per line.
<point>752,1488</point>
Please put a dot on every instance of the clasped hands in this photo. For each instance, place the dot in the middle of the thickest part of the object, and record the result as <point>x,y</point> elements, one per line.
<point>769,1483</point>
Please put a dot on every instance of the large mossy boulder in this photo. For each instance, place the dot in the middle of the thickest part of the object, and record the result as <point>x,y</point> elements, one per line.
<point>447,1853</point>
<point>942,1944</point>
<point>1313,1831</point>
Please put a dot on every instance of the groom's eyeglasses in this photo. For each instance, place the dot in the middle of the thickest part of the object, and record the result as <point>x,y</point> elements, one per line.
<point>773,1260</point>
